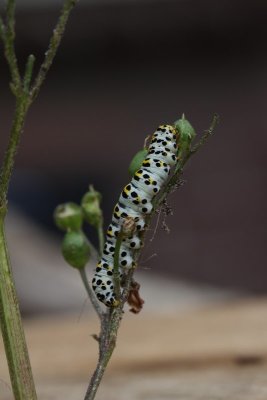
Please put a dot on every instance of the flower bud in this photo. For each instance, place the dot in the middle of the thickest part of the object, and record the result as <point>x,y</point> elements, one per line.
<point>76,249</point>
<point>186,134</point>
<point>91,207</point>
<point>68,217</point>
<point>137,160</point>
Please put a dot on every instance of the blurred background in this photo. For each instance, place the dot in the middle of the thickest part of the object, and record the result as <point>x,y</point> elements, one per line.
<point>123,68</point>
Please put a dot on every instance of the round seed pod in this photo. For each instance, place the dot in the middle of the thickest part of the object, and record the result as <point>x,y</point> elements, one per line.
<point>68,217</point>
<point>137,160</point>
<point>75,249</point>
<point>91,207</point>
<point>186,134</point>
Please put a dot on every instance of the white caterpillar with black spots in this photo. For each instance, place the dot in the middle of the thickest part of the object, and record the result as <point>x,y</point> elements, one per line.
<point>135,201</point>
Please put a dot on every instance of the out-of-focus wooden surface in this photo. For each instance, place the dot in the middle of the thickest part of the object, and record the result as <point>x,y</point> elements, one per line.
<point>215,352</point>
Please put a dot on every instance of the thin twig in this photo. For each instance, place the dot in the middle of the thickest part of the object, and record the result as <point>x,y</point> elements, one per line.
<point>2,29</point>
<point>116,271</point>
<point>101,238</point>
<point>9,157</point>
<point>53,46</point>
<point>23,102</point>
<point>28,73</point>
<point>156,226</point>
<point>207,134</point>
<point>9,44</point>
<point>91,294</point>
<point>96,215</point>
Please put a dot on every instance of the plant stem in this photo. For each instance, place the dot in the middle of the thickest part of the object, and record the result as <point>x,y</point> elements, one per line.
<point>110,324</point>
<point>10,319</point>
<point>11,327</point>
<point>104,358</point>
<point>97,376</point>
<point>101,238</point>
<point>28,73</point>
<point>90,293</point>
<point>108,337</point>
<point>8,162</point>
<point>8,37</point>
<point>53,46</point>
<point>116,273</point>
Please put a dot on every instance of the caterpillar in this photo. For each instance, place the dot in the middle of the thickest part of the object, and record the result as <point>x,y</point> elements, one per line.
<point>135,201</point>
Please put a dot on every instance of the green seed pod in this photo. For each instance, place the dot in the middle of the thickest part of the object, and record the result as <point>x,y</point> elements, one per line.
<point>186,134</point>
<point>75,249</point>
<point>91,207</point>
<point>68,217</point>
<point>137,160</point>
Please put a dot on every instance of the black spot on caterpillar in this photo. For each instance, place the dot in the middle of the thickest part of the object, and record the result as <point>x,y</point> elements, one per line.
<point>135,201</point>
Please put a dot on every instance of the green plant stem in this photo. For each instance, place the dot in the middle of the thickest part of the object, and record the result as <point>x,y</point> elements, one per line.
<point>10,319</point>
<point>28,73</point>
<point>11,327</point>
<point>101,238</point>
<point>116,273</point>
<point>8,162</point>
<point>207,134</point>
<point>90,293</point>
<point>53,47</point>
<point>7,33</point>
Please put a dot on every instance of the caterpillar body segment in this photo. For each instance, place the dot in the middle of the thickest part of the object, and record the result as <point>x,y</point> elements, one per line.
<point>147,181</point>
<point>135,198</point>
<point>164,155</point>
<point>125,256</point>
<point>158,167</point>
<point>121,212</point>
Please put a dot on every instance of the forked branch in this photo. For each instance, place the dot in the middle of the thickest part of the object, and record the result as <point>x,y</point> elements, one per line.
<point>10,319</point>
